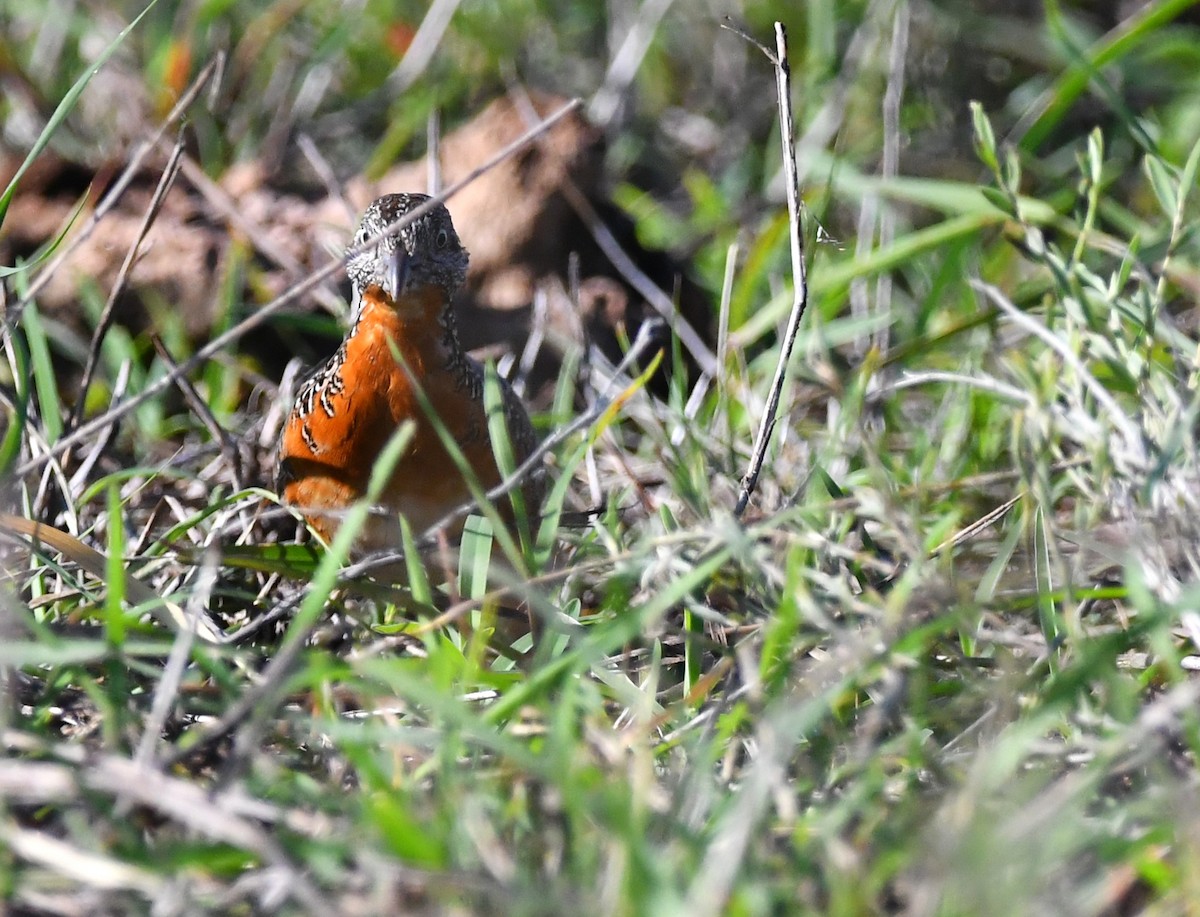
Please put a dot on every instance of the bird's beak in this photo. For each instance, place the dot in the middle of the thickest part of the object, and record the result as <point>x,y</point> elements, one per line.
<point>397,270</point>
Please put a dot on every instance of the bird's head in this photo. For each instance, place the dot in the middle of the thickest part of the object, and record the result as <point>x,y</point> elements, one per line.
<point>425,252</point>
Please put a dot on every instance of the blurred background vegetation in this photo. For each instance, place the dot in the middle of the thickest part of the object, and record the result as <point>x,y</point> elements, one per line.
<point>946,663</point>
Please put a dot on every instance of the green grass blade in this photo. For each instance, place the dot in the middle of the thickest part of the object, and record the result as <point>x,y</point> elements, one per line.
<point>64,108</point>
<point>14,435</point>
<point>45,379</point>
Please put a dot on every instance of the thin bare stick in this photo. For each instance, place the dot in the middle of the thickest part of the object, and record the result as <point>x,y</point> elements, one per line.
<point>433,152</point>
<point>220,435</point>
<point>731,256</point>
<point>533,344</point>
<point>691,408</point>
<point>890,166</point>
<point>828,119</point>
<point>168,686</point>
<point>625,265</point>
<point>165,181</point>
<point>222,202</point>
<point>244,706</point>
<point>206,812</point>
<point>75,865</point>
<point>583,373</point>
<point>219,343</point>
<point>728,26</point>
<point>984,522</point>
<point>53,473</point>
<point>82,473</point>
<point>873,214</point>
<point>783,84</point>
<point>324,171</point>
<point>574,287</point>
<point>114,194</point>
<point>627,61</point>
<point>423,45</point>
<point>646,288</point>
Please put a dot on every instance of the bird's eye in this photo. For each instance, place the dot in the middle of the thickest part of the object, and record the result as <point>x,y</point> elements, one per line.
<point>442,239</point>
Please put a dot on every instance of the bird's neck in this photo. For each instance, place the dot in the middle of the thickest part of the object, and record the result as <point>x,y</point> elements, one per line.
<point>420,324</point>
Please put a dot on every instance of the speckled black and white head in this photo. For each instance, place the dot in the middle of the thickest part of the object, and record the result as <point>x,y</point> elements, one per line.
<point>426,251</point>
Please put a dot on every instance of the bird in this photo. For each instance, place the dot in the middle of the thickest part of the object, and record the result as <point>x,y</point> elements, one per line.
<point>402,340</point>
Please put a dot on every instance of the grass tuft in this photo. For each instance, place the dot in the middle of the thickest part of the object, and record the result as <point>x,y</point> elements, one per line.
<point>944,661</point>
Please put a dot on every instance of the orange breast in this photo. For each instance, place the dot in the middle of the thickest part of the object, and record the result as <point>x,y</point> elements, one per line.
<point>332,441</point>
